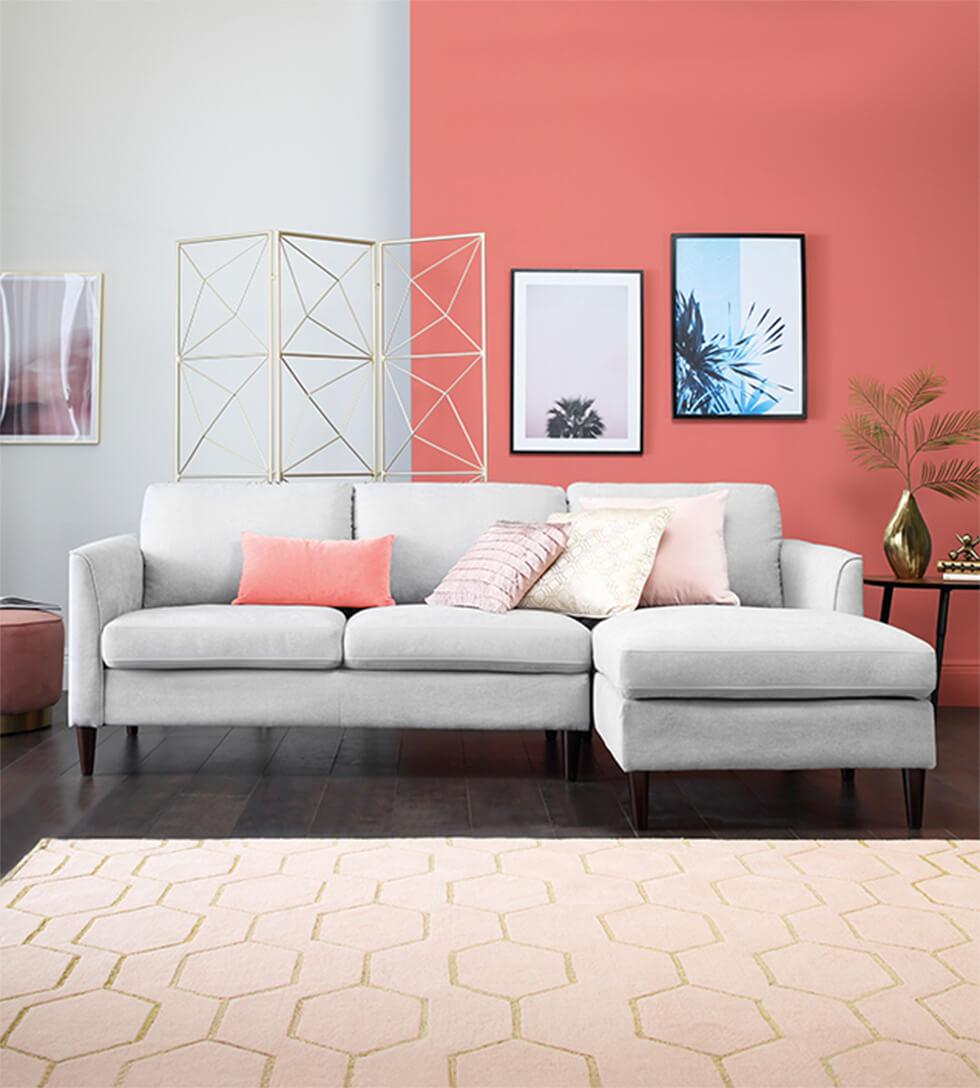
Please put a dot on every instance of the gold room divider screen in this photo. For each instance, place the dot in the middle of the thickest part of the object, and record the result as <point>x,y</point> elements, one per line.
<point>311,355</point>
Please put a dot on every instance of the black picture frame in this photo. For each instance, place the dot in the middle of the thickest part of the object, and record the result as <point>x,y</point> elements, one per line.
<point>635,448</point>
<point>804,377</point>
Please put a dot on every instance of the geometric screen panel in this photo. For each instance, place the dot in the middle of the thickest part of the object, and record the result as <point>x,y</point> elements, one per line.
<point>433,342</point>
<point>223,357</point>
<point>326,373</point>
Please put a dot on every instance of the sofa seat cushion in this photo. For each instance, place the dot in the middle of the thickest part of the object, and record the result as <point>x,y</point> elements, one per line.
<point>433,637</point>
<point>222,636</point>
<point>715,652</point>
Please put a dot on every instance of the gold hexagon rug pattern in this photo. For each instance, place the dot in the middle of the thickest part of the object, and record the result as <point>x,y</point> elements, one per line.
<point>491,962</point>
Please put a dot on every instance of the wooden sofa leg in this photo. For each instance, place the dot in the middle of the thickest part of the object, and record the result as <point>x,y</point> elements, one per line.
<point>85,737</point>
<point>550,736</point>
<point>571,742</point>
<point>847,776</point>
<point>132,730</point>
<point>639,797</point>
<point>914,781</point>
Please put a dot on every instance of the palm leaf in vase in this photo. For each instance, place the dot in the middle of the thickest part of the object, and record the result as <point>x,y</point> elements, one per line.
<point>884,432</point>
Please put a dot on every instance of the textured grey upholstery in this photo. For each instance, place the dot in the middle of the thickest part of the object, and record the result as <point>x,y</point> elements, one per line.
<point>226,697</point>
<point>224,636</point>
<point>420,636</point>
<point>819,576</point>
<point>435,523</point>
<point>719,652</point>
<point>404,700</point>
<point>465,700</point>
<point>190,533</point>
<point>753,530</point>
<point>105,579</point>
<point>706,734</point>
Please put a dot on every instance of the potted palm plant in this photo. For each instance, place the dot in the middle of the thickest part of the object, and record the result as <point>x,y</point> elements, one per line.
<point>887,433</point>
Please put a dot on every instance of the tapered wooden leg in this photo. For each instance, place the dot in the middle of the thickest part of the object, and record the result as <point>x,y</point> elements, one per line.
<point>914,781</point>
<point>571,742</point>
<point>847,776</point>
<point>639,795</point>
<point>85,737</point>
<point>550,736</point>
<point>132,730</point>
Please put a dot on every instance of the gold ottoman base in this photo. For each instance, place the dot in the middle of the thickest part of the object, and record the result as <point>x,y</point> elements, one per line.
<point>25,722</point>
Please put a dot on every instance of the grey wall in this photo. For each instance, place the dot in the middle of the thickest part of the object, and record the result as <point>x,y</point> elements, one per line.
<point>127,125</point>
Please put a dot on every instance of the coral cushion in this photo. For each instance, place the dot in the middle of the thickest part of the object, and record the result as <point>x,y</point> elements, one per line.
<point>691,565</point>
<point>333,573</point>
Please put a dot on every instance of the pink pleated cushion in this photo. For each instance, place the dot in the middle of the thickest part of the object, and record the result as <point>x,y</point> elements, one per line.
<point>691,565</point>
<point>500,566</point>
<point>334,573</point>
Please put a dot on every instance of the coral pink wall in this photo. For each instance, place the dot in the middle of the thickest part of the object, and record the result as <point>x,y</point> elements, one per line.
<point>582,134</point>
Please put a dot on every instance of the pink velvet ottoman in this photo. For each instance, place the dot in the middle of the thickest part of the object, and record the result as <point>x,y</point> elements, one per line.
<point>32,646</point>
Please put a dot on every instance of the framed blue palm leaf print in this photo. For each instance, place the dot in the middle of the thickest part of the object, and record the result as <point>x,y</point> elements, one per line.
<point>739,326</point>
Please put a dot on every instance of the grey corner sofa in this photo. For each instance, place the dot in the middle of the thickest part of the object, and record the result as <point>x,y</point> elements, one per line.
<point>795,678</point>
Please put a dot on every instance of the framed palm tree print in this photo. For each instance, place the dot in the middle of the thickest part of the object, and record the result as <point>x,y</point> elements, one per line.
<point>576,361</point>
<point>739,326</point>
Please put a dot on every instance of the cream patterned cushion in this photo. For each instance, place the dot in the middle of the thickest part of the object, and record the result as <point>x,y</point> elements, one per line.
<point>605,564</point>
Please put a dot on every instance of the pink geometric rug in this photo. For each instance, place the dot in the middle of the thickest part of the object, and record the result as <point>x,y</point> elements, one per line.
<point>491,962</point>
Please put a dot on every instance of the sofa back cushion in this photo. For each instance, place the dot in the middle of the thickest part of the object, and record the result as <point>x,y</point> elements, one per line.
<point>190,533</point>
<point>753,530</point>
<point>434,524</point>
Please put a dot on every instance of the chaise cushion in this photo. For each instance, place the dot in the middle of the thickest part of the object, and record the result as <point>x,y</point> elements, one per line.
<point>715,652</point>
<point>221,636</point>
<point>432,637</point>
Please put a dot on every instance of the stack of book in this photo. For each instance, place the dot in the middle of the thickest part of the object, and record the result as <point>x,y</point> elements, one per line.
<point>28,605</point>
<point>960,570</point>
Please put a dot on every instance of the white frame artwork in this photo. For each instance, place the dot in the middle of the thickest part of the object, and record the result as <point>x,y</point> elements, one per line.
<point>576,339</point>
<point>58,341</point>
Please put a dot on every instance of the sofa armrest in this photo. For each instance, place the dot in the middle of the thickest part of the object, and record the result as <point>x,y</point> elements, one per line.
<point>105,579</point>
<point>821,577</point>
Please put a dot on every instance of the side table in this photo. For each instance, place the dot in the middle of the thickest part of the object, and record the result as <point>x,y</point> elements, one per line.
<point>945,587</point>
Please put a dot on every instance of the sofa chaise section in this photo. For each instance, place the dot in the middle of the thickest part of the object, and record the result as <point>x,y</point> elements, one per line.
<point>795,682</point>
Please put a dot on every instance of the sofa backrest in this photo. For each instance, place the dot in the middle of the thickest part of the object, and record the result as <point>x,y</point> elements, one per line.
<point>753,530</point>
<point>435,523</point>
<point>190,533</point>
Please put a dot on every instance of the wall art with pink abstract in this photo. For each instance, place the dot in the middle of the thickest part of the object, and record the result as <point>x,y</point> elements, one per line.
<point>51,338</point>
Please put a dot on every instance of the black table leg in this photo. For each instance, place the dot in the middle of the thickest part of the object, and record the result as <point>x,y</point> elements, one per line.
<point>942,618</point>
<point>886,603</point>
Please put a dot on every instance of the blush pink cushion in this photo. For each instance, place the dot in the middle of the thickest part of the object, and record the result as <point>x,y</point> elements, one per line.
<point>691,565</point>
<point>334,573</point>
<point>500,566</point>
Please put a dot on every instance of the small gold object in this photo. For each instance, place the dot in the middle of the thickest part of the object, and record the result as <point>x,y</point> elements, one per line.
<point>967,551</point>
<point>907,543</point>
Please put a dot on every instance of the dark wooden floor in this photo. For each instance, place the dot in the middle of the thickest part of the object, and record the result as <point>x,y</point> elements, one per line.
<point>218,783</point>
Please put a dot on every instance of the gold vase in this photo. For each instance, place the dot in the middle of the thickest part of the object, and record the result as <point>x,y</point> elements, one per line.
<point>908,545</point>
